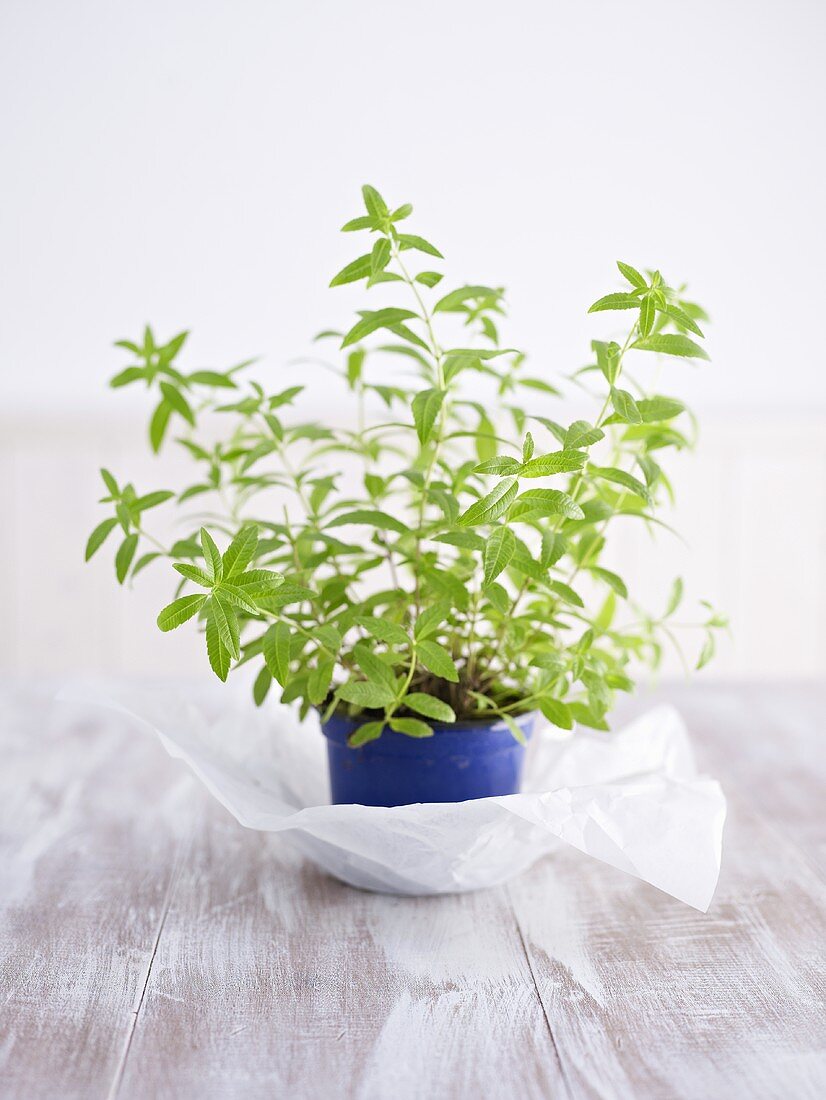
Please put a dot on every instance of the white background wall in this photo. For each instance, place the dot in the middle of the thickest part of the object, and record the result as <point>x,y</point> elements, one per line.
<point>189,163</point>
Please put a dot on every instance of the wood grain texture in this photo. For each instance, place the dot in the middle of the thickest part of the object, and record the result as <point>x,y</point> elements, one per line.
<point>91,832</point>
<point>153,948</point>
<point>273,979</point>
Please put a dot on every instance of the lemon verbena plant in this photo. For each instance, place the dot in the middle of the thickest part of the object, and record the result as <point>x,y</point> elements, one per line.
<point>439,555</point>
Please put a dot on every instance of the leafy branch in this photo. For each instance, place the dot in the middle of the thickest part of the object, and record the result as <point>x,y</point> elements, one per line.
<point>460,573</point>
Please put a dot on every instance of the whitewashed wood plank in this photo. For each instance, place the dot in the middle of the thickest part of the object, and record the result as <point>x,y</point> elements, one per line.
<point>8,560</point>
<point>767,740</point>
<point>251,973</point>
<point>272,979</point>
<point>650,999</point>
<point>91,826</point>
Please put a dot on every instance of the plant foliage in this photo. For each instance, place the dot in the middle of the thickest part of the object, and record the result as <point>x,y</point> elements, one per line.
<point>457,574</point>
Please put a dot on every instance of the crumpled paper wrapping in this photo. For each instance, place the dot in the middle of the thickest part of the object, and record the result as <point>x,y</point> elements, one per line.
<point>631,798</point>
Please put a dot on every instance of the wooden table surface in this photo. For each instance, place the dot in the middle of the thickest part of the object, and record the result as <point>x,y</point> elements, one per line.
<point>151,947</point>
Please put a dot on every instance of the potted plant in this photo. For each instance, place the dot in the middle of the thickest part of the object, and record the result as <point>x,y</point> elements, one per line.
<point>428,574</point>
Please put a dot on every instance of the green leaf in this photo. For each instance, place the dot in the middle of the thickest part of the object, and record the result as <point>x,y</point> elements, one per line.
<point>241,550</point>
<point>143,561</point>
<point>374,668</point>
<point>608,359</point>
<point>370,731</point>
<point>329,637</point>
<point>632,275</point>
<point>212,555</point>
<point>99,536</point>
<point>110,483</point>
<point>500,465</point>
<point>615,301</point>
<point>151,500</point>
<point>682,318</point>
<point>168,352</point>
<point>185,548</point>
<point>429,278</point>
<point>123,558</point>
<point>238,597</point>
<point>363,694</point>
<point>582,434</point>
<point>285,397</point>
<point>674,597</point>
<point>605,615</point>
<point>380,255</point>
<point>611,579</point>
<point>276,650</point>
<point>429,706</point>
<point>212,378</point>
<point>625,406</point>
<point>176,400</point>
<point>217,652</point>
<point>499,597</point>
<point>411,727</point>
<point>484,442</point>
<point>358,269</point>
<point>318,682</point>
<point>458,298</point>
<point>668,343</point>
<point>158,424</point>
<point>550,502</point>
<point>384,630</point>
<point>707,652</point>
<point>586,716</point>
<point>516,732</point>
<point>193,573</point>
<point>467,540</point>
<point>557,712</point>
<point>124,377</point>
<point>258,582</point>
<point>558,462</point>
<point>431,619</point>
<point>410,240</point>
<point>223,615</point>
<point>426,405</point>
<point>181,610</point>
<point>288,592</point>
<point>539,384</point>
<point>358,223</point>
<point>492,506</point>
<point>401,212</point>
<point>261,686</point>
<point>565,592</point>
<point>654,409</point>
<point>621,477</point>
<point>524,563</point>
<point>499,549</point>
<point>436,658</point>
<point>129,346</point>
<point>372,321</point>
<point>375,205</point>
<point>355,362</point>
<point>648,313</point>
<point>371,517</point>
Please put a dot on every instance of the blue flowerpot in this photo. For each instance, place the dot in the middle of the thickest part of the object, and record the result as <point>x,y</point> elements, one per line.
<point>459,762</point>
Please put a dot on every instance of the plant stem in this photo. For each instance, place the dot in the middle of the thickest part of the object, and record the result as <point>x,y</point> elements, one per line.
<point>436,353</point>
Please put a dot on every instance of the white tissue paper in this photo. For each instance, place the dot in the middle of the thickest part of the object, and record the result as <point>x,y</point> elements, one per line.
<point>630,798</point>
